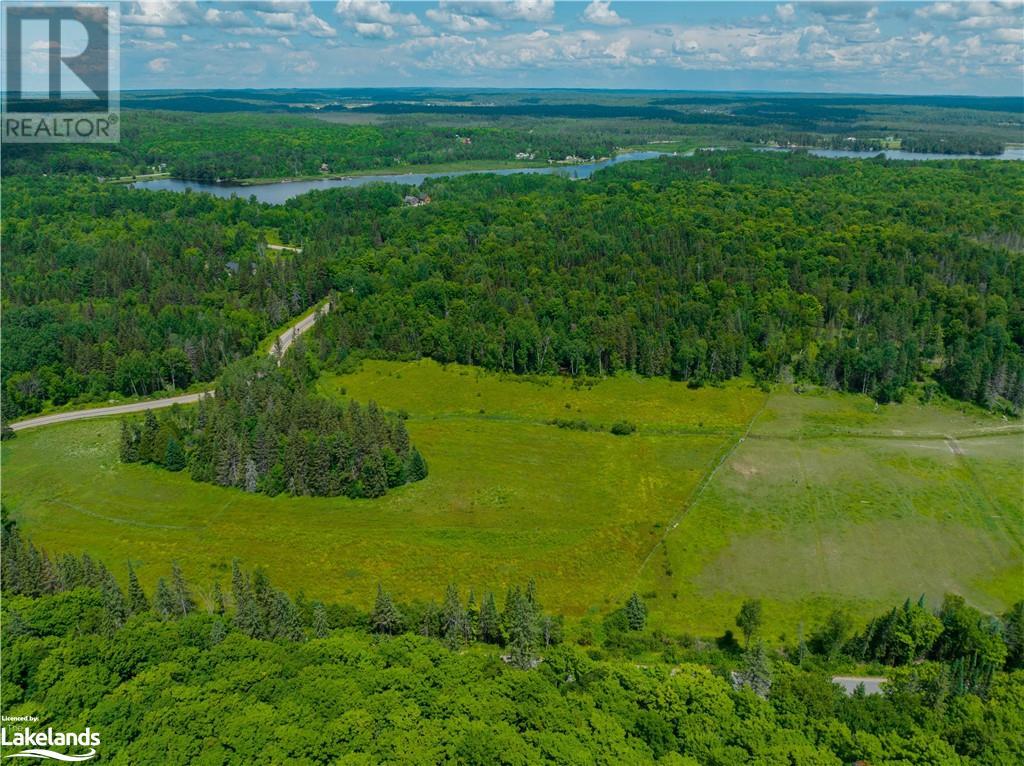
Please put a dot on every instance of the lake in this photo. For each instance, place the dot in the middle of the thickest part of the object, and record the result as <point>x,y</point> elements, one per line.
<point>280,192</point>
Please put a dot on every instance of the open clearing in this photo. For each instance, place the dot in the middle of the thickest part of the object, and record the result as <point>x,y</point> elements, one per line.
<point>828,500</point>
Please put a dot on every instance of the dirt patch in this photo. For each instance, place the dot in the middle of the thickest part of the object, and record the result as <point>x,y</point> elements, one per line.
<point>744,469</point>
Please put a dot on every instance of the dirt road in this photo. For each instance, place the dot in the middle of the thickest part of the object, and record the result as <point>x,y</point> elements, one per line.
<point>278,349</point>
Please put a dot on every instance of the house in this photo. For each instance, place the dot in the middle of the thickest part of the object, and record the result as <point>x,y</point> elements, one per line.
<point>416,201</point>
<point>324,168</point>
<point>524,155</point>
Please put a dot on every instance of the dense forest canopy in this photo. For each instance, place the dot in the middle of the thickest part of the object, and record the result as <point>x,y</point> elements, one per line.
<point>246,672</point>
<point>868,276</point>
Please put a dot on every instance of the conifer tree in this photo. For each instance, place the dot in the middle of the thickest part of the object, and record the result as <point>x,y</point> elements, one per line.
<point>174,455</point>
<point>115,611</point>
<point>473,617</point>
<point>386,617</point>
<point>756,672</point>
<point>522,631</point>
<point>147,441</point>
<point>321,629</point>
<point>454,623</point>
<point>217,599</point>
<point>218,631</point>
<point>490,623</point>
<point>182,597</point>
<point>137,601</point>
<point>129,448</point>
<point>636,613</point>
<point>163,602</point>
<point>417,468</point>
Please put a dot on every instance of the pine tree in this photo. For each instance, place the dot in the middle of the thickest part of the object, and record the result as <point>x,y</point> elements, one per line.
<point>490,624</point>
<point>522,631</point>
<point>218,631</point>
<point>129,449</point>
<point>373,475</point>
<point>163,602</point>
<point>174,455</point>
<point>756,672</point>
<point>182,598</point>
<point>636,613</point>
<point>137,601</point>
<point>417,467</point>
<point>217,599</point>
<point>321,629</point>
<point>454,623</point>
<point>147,442</point>
<point>252,479</point>
<point>386,617</point>
<point>115,611</point>
<point>473,617</point>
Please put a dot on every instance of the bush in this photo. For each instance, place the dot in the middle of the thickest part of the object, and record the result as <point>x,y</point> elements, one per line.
<point>623,428</point>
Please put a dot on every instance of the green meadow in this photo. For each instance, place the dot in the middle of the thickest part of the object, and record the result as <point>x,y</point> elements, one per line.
<point>806,500</point>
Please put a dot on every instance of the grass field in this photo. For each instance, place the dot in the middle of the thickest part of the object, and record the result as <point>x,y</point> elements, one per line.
<point>827,500</point>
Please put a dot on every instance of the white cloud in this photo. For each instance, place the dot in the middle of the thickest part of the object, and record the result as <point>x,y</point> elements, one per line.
<point>600,12</point>
<point>219,18</point>
<point>373,30</point>
<point>374,12</point>
<point>785,12</point>
<point>510,10</point>
<point>158,65</point>
<point>160,13</point>
<point>459,22</point>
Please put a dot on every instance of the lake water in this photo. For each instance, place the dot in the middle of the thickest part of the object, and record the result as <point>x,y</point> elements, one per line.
<point>277,193</point>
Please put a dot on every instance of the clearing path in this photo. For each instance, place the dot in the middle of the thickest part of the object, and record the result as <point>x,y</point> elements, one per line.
<point>281,345</point>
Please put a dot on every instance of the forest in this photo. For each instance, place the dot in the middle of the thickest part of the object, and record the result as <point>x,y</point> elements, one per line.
<point>263,432</point>
<point>871,276</point>
<point>246,672</point>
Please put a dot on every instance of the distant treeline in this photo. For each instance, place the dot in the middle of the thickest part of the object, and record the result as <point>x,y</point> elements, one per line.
<point>263,432</point>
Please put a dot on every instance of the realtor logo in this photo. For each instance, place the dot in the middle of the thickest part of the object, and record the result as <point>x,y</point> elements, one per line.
<point>61,73</point>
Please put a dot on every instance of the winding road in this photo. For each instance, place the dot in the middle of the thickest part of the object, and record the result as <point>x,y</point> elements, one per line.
<point>280,346</point>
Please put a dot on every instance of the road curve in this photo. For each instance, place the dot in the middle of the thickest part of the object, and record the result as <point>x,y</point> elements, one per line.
<point>278,349</point>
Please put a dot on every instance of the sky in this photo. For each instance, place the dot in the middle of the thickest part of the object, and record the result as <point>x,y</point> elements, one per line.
<point>972,48</point>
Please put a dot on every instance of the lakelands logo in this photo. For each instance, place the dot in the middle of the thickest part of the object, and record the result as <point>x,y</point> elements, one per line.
<point>37,744</point>
<point>62,72</point>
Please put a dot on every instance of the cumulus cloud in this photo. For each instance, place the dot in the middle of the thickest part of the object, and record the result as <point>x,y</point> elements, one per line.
<point>160,13</point>
<point>600,12</point>
<point>785,12</point>
<point>374,12</point>
<point>510,10</point>
<point>460,22</point>
<point>158,65</point>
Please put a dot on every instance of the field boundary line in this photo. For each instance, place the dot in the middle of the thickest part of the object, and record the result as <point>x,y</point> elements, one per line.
<point>698,491</point>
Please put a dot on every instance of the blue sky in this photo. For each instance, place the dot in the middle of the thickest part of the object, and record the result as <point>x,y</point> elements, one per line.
<point>880,47</point>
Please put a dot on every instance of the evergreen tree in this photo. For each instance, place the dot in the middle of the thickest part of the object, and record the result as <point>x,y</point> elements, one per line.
<point>115,611</point>
<point>163,602</point>
<point>454,623</point>
<point>373,475</point>
<point>174,455</point>
<point>129,448</point>
<point>636,613</point>
<point>182,597</point>
<point>417,467</point>
<point>490,623</point>
<point>321,629</point>
<point>756,672</point>
<point>147,441</point>
<point>217,599</point>
<point>137,601</point>
<point>473,617</point>
<point>386,617</point>
<point>522,630</point>
<point>218,631</point>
